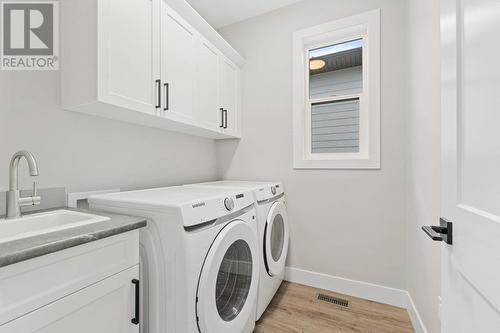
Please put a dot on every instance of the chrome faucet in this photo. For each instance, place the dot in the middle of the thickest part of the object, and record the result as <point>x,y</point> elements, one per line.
<point>14,199</point>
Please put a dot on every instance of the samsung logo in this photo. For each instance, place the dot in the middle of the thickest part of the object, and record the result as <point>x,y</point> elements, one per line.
<point>200,204</point>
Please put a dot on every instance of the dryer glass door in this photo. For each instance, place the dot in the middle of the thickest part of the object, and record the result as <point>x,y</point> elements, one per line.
<point>276,239</point>
<point>228,282</point>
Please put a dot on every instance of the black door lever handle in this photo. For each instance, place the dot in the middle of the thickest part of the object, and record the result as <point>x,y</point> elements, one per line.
<point>442,232</point>
<point>435,236</point>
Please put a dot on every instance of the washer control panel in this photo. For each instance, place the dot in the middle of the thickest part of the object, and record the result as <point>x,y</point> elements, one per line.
<point>229,203</point>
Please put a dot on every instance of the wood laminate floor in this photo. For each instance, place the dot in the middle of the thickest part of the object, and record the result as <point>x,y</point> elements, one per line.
<point>296,309</point>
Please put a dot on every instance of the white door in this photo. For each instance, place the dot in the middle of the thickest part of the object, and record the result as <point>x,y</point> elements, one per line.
<point>276,239</point>
<point>177,59</point>
<point>129,54</point>
<point>227,288</point>
<point>207,81</point>
<point>471,165</point>
<point>106,307</point>
<point>229,96</point>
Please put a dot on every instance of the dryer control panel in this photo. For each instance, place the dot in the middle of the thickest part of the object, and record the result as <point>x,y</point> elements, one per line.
<point>213,208</point>
<point>229,203</point>
<point>269,191</point>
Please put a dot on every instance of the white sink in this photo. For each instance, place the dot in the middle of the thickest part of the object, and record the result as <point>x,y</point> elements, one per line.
<point>42,223</point>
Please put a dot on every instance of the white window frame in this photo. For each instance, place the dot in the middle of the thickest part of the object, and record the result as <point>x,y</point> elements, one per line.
<point>367,27</point>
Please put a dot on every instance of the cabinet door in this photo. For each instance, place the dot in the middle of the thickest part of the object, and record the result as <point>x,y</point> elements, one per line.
<point>207,85</point>
<point>178,47</point>
<point>129,54</point>
<point>105,307</point>
<point>229,96</point>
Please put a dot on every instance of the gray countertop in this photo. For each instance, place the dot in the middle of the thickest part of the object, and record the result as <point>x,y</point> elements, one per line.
<point>35,246</point>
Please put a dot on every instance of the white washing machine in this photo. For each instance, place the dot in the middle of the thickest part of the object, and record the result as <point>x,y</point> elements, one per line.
<point>273,233</point>
<point>199,257</point>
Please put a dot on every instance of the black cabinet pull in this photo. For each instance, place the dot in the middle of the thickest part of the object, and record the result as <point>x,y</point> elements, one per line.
<point>221,118</point>
<point>225,117</point>
<point>442,232</point>
<point>165,85</point>
<point>135,320</point>
<point>158,87</point>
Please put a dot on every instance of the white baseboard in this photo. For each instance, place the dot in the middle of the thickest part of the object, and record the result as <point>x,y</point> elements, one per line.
<point>373,292</point>
<point>416,320</point>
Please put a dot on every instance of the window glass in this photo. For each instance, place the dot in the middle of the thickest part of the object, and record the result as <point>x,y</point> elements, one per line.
<point>336,70</point>
<point>335,126</point>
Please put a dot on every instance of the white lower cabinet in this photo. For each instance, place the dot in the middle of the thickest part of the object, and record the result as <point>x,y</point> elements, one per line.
<point>92,287</point>
<point>104,307</point>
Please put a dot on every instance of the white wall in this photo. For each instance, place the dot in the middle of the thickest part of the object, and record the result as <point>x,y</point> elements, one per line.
<point>423,275</point>
<point>83,152</point>
<point>348,223</point>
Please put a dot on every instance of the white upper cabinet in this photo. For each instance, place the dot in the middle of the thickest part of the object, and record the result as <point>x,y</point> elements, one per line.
<point>207,81</point>
<point>143,62</point>
<point>229,97</point>
<point>128,53</point>
<point>178,74</point>
<point>112,58</point>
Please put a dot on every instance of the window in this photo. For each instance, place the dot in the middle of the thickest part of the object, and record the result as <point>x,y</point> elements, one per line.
<point>337,94</point>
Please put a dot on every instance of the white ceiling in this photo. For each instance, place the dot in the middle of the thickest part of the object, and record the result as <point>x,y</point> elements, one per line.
<point>220,13</point>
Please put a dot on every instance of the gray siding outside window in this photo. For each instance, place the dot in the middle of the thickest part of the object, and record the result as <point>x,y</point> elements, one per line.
<point>347,81</point>
<point>335,126</point>
<point>335,120</point>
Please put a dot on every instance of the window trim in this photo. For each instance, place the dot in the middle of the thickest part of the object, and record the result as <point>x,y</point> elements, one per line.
<point>367,27</point>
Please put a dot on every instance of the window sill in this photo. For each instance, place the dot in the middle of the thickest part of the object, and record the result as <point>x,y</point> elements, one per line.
<point>352,164</point>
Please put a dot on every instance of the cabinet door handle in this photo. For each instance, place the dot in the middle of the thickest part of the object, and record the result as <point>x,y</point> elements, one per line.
<point>135,320</point>
<point>221,118</point>
<point>165,85</point>
<point>158,92</point>
<point>225,118</point>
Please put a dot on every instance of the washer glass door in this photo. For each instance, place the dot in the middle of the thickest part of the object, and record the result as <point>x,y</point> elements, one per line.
<point>233,280</point>
<point>276,239</point>
<point>228,282</point>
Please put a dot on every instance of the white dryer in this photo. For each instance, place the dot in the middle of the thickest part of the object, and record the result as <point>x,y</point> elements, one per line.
<point>199,257</point>
<point>273,233</point>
